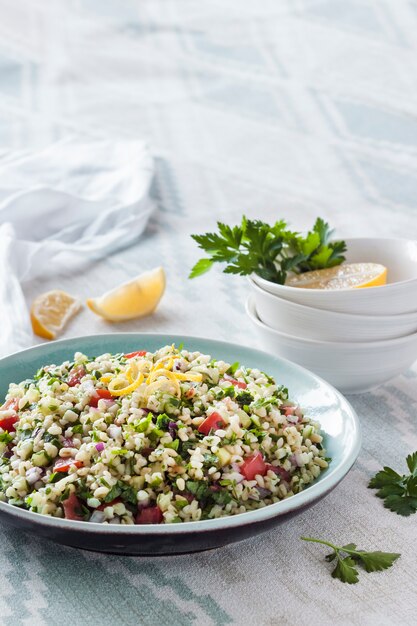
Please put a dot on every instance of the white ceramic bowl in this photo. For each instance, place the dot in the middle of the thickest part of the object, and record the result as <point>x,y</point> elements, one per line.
<point>398,296</point>
<point>351,367</point>
<point>310,323</point>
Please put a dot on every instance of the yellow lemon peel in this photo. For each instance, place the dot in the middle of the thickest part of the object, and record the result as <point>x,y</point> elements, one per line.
<point>127,388</point>
<point>189,376</point>
<point>133,375</point>
<point>165,374</point>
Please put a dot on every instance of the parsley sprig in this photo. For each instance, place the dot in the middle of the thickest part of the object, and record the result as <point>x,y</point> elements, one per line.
<point>271,251</point>
<point>399,492</point>
<point>348,557</point>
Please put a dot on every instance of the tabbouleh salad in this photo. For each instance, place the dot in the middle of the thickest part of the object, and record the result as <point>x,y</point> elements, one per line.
<point>153,437</point>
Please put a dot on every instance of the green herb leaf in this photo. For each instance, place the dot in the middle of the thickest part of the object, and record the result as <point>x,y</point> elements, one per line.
<point>233,368</point>
<point>114,493</point>
<point>54,477</point>
<point>387,476</point>
<point>129,494</point>
<point>143,425</point>
<point>221,497</point>
<point>270,251</point>
<point>199,489</point>
<point>244,397</point>
<point>163,421</point>
<point>348,557</point>
<point>201,267</point>
<point>173,444</point>
<point>402,505</point>
<point>345,570</point>
<point>210,459</point>
<point>377,561</point>
<point>399,492</point>
<point>412,462</point>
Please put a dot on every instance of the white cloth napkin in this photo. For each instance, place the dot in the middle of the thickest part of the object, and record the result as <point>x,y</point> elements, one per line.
<point>74,201</point>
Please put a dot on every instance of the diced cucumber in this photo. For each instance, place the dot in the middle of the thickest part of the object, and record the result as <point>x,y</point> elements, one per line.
<point>256,420</point>
<point>40,459</point>
<point>245,420</point>
<point>224,456</point>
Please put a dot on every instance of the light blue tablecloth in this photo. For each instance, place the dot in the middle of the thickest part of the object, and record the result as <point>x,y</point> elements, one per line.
<point>279,108</point>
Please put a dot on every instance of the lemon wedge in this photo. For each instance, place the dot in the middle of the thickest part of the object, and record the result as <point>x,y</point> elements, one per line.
<point>135,298</point>
<point>51,311</point>
<point>345,276</point>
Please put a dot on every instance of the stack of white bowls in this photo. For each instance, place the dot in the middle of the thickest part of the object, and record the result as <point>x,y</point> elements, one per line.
<point>356,339</point>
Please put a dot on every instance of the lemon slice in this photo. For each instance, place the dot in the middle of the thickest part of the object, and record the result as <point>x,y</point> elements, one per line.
<point>136,298</point>
<point>51,311</point>
<point>345,276</point>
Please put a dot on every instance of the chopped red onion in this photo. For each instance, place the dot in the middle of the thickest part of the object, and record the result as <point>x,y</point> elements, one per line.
<point>263,493</point>
<point>100,446</point>
<point>172,429</point>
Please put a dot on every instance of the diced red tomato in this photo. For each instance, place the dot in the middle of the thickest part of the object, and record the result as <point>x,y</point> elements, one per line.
<point>100,394</point>
<point>280,471</point>
<point>64,465</point>
<point>75,376</point>
<point>72,508</point>
<point>253,465</point>
<point>235,383</point>
<point>289,410</point>
<point>212,422</point>
<point>138,353</point>
<point>12,404</point>
<point>150,515</point>
<point>112,503</point>
<point>7,423</point>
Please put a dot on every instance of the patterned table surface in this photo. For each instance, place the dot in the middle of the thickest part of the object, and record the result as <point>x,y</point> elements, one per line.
<point>280,108</point>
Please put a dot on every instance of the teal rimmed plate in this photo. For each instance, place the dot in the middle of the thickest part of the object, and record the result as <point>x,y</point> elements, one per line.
<point>319,400</point>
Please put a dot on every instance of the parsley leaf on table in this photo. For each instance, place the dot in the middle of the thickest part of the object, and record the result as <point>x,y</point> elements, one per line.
<point>399,492</point>
<point>271,251</point>
<point>348,557</point>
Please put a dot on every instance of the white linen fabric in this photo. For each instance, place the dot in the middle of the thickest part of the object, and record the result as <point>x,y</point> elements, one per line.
<point>73,202</point>
<point>278,109</point>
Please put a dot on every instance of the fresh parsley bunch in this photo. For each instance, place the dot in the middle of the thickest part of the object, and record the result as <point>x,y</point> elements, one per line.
<point>271,251</point>
<point>399,492</point>
<point>348,557</point>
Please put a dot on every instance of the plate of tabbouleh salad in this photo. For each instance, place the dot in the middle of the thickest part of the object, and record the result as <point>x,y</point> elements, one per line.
<point>134,433</point>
